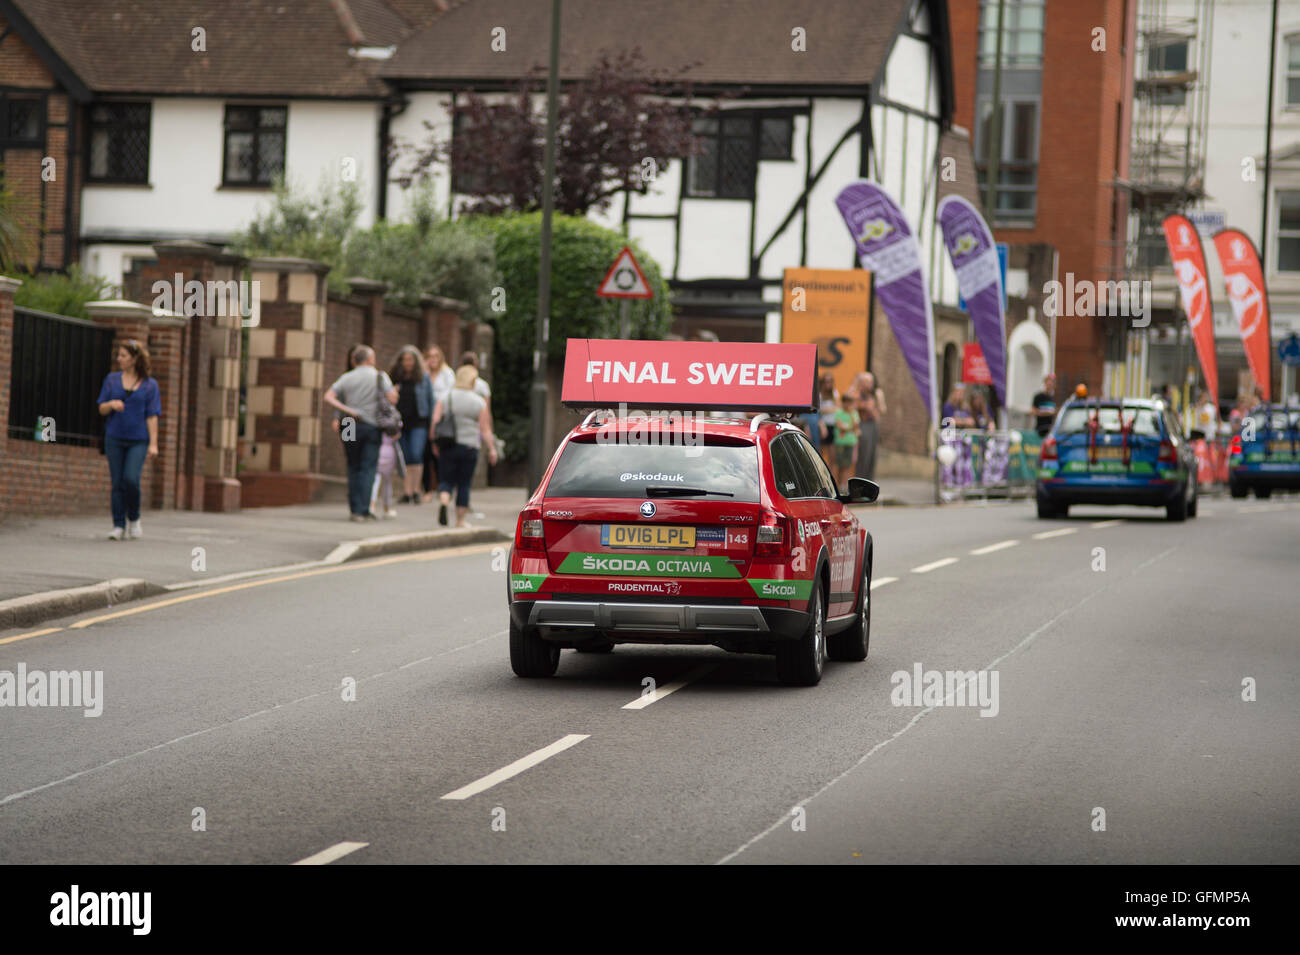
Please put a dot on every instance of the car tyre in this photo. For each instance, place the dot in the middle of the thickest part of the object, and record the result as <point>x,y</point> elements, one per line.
<point>530,655</point>
<point>1047,510</point>
<point>1263,493</point>
<point>800,662</point>
<point>852,645</point>
<point>1237,489</point>
<point>1196,497</point>
<point>1176,510</point>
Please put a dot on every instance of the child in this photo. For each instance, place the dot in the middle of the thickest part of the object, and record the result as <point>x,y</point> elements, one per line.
<point>391,464</point>
<point>847,423</point>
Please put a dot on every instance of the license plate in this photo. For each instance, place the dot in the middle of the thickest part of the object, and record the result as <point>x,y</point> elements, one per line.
<point>1279,446</point>
<point>1110,454</point>
<point>648,536</point>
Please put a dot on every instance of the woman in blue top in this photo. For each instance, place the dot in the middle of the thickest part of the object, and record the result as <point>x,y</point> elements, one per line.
<point>130,401</point>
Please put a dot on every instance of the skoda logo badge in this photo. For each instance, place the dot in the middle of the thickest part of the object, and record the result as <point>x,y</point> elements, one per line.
<point>648,508</point>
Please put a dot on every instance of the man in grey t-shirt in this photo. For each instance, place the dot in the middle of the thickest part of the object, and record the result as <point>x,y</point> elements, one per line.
<point>356,395</point>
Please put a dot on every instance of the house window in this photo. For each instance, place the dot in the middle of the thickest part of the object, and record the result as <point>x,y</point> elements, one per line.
<point>726,165</point>
<point>1288,232</point>
<point>468,177</point>
<point>254,153</point>
<point>118,143</point>
<point>22,119</point>
<point>1293,71</point>
<point>776,137</point>
<point>1017,159</point>
<point>1022,34</point>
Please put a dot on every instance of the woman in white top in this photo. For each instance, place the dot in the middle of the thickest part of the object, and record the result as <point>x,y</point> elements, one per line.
<point>444,379</point>
<point>457,459</point>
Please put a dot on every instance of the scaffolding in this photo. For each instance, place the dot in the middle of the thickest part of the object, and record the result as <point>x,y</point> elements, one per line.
<point>1166,176</point>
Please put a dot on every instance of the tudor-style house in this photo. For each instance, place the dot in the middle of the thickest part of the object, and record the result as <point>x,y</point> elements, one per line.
<point>174,126</point>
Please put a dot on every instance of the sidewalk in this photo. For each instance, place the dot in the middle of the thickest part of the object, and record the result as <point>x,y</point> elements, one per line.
<point>39,555</point>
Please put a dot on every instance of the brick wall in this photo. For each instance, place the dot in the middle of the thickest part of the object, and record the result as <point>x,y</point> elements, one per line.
<point>42,202</point>
<point>38,477</point>
<point>1083,93</point>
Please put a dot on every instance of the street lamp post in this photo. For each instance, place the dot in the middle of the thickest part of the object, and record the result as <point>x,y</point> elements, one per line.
<point>537,435</point>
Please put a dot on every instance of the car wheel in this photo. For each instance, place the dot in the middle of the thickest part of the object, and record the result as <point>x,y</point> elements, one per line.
<point>800,662</point>
<point>1263,493</point>
<point>1237,489</point>
<point>530,655</point>
<point>1046,509</point>
<point>1196,496</point>
<point>1177,510</point>
<point>851,645</point>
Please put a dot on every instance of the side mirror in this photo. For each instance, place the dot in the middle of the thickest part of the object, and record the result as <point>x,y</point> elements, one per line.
<point>861,491</point>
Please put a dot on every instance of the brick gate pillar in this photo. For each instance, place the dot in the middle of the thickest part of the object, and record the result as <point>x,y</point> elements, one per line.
<point>285,383</point>
<point>211,349</point>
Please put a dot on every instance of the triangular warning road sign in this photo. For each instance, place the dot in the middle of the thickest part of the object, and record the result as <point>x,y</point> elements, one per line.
<point>625,279</point>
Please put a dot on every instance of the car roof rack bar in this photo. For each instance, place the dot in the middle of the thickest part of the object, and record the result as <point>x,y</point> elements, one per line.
<point>758,419</point>
<point>586,422</point>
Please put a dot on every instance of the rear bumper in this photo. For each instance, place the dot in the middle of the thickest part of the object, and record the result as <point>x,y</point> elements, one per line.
<point>684,622</point>
<point>1121,492</point>
<point>1281,478</point>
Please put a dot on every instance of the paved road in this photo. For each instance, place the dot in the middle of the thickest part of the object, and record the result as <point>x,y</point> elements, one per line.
<point>1118,690</point>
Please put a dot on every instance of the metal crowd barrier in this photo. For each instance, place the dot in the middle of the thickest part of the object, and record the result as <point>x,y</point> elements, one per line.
<point>987,464</point>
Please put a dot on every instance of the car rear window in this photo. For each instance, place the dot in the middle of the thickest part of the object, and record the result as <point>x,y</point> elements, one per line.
<point>1277,420</point>
<point>591,469</point>
<point>1075,420</point>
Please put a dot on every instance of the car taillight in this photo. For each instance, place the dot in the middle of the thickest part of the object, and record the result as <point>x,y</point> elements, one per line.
<point>1167,454</point>
<point>1234,447</point>
<point>1048,452</point>
<point>529,536</point>
<point>771,539</point>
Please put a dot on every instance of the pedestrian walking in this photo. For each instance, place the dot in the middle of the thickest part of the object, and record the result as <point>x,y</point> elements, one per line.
<point>391,469</point>
<point>130,400</point>
<point>830,404</point>
<point>444,379</point>
<point>415,401</point>
<point>847,426</point>
<point>870,403</point>
<point>356,395</point>
<point>458,453</point>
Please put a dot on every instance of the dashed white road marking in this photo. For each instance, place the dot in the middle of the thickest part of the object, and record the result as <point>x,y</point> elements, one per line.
<point>1101,524</point>
<point>326,856</point>
<point>517,767</point>
<point>657,694</point>
<point>1059,532</point>
<point>881,581</point>
<point>991,548</point>
<point>935,565</point>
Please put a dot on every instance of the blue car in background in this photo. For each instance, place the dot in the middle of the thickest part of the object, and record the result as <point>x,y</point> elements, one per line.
<point>1266,454</point>
<point>1116,451</point>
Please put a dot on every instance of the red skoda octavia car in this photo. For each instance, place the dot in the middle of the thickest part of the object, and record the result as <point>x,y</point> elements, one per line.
<point>691,530</point>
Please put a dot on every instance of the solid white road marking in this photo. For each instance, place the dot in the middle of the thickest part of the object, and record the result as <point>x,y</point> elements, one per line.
<point>640,703</point>
<point>517,767</point>
<point>881,581</point>
<point>926,568</point>
<point>1100,524</point>
<point>1000,545</point>
<point>1061,532</point>
<point>326,856</point>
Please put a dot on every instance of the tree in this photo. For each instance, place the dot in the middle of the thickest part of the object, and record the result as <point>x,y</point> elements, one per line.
<point>308,227</point>
<point>616,131</point>
<point>581,252</point>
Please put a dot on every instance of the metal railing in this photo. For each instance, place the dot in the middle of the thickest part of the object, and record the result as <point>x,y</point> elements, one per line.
<point>986,464</point>
<point>57,366</point>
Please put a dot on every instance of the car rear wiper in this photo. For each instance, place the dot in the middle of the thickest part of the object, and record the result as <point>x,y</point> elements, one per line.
<point>664,490</point>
